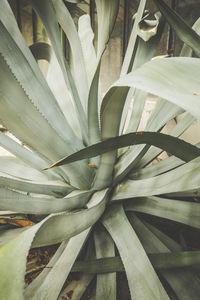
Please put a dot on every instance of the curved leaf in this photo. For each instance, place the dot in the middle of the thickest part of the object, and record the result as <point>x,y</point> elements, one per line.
<point>178,86</point>
<point>166,142</point>
<point>107,13</point>
<point>67,24</point>
<point>106,283</point>
<point>13,166</point>
<point>128,59</point>
<point>12,282</point>
<point>46,12</point>
<point>148,27</point>
<point>21,203</point>
<point>55,279</point>
<point>154,241</point>
<point>179,211</point>
<point>36,283</point>
<point>61,226</point>
<point>62,94</point>
<point>186,50</point>
<point>138,269</point>
<point>79,286</point>
<point>9,21</point>
<point>86,36</point>
<point>111,109</point>
<point>174,79</point>
<point>184,32</point>
<point>22,72</point>
<point>25,121</point>
<point>177,180</point>
<point>163,112</point>
<point>52,229</point>
<point>93,115</point>
<point>28,157</point>
<point>177,130</point>
<point>157,168</point>
<point>41,187</point>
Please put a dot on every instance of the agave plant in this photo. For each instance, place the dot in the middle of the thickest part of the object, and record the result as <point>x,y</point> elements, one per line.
<point>83,178</point>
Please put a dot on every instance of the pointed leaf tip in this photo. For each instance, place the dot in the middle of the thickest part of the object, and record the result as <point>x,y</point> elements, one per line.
<point>50,167</point>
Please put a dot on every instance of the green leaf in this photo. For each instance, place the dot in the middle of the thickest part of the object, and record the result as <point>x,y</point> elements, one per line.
<point>186,50</point>
<point>138,269</point>
<point>13,166</point>
<point>160,261</point>
<point>13,258</point>
<point>52,229</point>
<point>154,241</point>
<point>79,286</point>
<point>174,79</point>
<point>166,142</point>
<point>184,32</point>
<point>173,260</point>
<point>179,211</point>
<point>93,68</point>
<point>28,127</point>
<point>9,21</point>
<point>167,241</point>
<point>86,36</point>
<point>153,152</point>
<point>148,27</point>
<point>30,158</point>
<point>79,70</point>
<point>46,12</point>
<point>100,265</point>
<point>144,53</point>
<point>55,279</point>
<point>10,200</point>
<point>158,168</point>
<point>173,86</point>
<point>106,13</point>
<point>177,130</point>
<point>163,112</point>
<point>136,111</point>
<point>177,180</point>
<point>75,222</point>
<point>113,104</point>
<point>22,71</point>
<point>128,59</point>
<point>55,230</point>
<point>106,283</point>
<point>93,114</point>
<point>36,283</point>
<point>24,120</point>
<point>62,94</point>
<point>41,187</point>
<point>111,108</point>
<point>151,243</point>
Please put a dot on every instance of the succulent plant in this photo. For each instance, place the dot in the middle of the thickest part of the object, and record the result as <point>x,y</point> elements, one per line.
<point>83,177</point>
